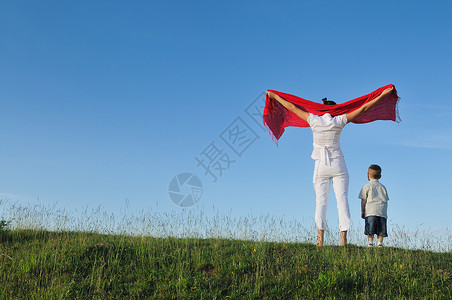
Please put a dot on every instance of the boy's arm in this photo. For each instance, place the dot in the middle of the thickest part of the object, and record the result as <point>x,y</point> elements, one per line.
<point>363,208</point>
<point>290,106</point>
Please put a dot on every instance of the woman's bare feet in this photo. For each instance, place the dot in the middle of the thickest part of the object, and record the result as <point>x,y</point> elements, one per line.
<point>320,235</point>
<point>343,238</point>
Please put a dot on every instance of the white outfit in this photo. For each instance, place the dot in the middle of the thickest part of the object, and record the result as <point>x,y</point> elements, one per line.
<point>329,166</point>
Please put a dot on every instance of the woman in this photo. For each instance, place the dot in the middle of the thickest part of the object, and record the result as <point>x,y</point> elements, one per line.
<point>329,160</point>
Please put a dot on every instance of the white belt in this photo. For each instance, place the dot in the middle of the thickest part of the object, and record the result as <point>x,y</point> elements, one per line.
<point>324,156</point>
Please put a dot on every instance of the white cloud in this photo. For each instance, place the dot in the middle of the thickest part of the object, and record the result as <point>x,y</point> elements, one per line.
<point>433,141</point>
<point>8,196</point>
<point>439,111</point>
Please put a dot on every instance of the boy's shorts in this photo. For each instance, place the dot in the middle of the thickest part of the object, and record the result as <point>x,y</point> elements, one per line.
<point>375,225</point>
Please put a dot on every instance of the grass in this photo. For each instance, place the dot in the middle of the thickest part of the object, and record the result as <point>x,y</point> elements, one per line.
<point>79,265</point>
<point>187,256</point>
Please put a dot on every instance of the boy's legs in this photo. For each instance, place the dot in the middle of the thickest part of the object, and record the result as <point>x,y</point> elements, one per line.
<point>380,240</point>
<point>369,229</point>
<point>382,230</point>
<point>370,238</point>
<point>375,225</point>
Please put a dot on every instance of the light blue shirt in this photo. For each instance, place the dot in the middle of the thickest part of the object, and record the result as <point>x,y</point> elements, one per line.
<point>377,199</point>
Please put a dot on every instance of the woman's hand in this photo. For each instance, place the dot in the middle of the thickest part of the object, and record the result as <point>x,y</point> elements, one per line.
<point>271,94</point>
<point>290,106</point>
<point>387,91</point>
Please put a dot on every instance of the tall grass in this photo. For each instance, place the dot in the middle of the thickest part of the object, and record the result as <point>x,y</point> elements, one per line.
<point>198,223</point>
<point>188,254</point>
<point>182,223</point>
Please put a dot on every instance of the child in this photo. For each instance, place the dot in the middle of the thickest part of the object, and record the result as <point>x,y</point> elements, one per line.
<point>374,206</point>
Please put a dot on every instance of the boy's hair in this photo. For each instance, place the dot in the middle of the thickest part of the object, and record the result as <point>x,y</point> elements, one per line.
<point>375,171</point>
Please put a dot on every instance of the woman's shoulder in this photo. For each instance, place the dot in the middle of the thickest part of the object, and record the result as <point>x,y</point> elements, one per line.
<point>312,118</point>
<point>341,119</point>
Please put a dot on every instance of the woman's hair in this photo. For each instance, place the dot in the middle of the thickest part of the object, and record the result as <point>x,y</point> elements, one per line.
<point>328,102</point>
<point>375,171</point>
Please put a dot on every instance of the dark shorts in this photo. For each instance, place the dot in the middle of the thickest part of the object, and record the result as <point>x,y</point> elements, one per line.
<point>375,225</point>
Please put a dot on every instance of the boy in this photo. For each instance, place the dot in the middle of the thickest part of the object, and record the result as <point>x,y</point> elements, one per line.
<point>374,206</point>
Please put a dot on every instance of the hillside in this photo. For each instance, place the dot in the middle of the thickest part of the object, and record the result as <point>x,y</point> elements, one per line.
<point>43,264</point>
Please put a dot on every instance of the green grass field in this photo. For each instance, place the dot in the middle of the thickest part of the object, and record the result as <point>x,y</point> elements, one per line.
<point>46,253</point>
<point>78,265</point>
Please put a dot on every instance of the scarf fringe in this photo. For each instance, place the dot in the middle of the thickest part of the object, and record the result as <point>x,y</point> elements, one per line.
<point>398,118</point>
<point>275,140</point>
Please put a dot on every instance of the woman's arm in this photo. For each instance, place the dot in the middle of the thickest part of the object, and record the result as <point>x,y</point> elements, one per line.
<point>359,111</point>
<point>290,106</point>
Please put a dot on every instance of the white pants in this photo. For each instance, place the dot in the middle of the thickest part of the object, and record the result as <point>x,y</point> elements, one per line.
<point>323,175</point>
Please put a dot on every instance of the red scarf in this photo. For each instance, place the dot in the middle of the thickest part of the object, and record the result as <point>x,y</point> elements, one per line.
<point>276,117</point>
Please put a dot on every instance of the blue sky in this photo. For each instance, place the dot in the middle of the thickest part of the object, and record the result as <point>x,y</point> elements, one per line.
<point>104,101</point>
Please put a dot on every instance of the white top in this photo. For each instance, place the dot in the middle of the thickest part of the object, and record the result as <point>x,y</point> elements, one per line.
<point>377,199</point>
<point>326,132</point>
